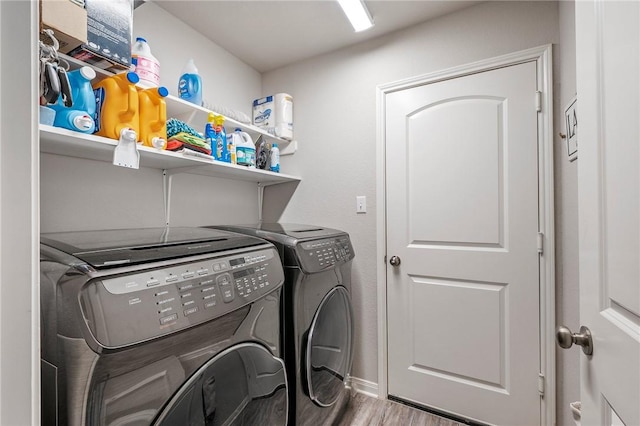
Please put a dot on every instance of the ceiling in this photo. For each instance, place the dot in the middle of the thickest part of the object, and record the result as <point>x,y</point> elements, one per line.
<point>269,34</point>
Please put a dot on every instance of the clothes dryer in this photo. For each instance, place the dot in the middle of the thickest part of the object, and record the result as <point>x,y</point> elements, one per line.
<point>317,316</point>
<point>170,326</point>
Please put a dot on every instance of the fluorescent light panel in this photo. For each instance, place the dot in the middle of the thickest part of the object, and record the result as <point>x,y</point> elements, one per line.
<point>357,13</point>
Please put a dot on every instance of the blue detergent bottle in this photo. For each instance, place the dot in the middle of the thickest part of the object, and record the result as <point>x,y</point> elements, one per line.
<point>221,149</point>
<point>190,84</point>
<point>78,117</point>
<point>216,135</point>
<point>210,133</point>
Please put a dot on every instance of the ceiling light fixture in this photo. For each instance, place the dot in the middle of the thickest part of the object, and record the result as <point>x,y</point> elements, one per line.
<point>357,13</point>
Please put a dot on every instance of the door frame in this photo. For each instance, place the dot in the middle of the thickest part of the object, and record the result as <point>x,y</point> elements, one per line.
<point>542,55</point>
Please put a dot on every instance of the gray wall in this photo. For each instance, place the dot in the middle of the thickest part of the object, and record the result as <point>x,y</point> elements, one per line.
<point>566,175</point>
<point>109,197</point>
<point>226,80</point>
<point>335,124</point>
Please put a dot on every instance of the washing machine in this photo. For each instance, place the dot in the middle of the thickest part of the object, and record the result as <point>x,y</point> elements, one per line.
<point>161,326</point>
<point>317,316</point>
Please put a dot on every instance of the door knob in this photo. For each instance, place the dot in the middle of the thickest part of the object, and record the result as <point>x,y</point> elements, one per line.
<point>566,339</point>
<point>394,261</point>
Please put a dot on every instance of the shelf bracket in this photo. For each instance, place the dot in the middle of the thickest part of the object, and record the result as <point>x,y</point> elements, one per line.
<point>166,189</point>
<point>260,200</point>
<point>167,181</point>
<point>290,148</point>
<point>167,184</point>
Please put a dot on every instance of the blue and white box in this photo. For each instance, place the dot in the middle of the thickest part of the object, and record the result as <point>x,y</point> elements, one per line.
<point>264,113</point>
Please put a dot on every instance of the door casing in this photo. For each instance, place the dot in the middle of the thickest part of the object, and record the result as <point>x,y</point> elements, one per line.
<point>542,55</point>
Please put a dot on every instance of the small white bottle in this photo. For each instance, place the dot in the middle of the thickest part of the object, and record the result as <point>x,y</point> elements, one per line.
<point>146,65</point>
<point>274,156</point>
<point>232,142</point>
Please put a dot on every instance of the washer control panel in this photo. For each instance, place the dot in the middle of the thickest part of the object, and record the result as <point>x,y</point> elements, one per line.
<point>318,255</point>
<point>128,309</point>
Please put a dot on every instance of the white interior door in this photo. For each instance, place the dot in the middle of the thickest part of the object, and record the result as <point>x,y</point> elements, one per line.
<point>462,217</point>
<point>608,81</point>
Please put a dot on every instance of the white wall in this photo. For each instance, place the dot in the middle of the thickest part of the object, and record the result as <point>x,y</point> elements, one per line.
<point>335,124</point>
<point>566,175</point>
<point>82,194</point>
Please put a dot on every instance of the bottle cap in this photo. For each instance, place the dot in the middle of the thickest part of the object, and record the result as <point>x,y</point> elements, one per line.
<point>163,91</point>
<point>190,67</point>
<point>133,77</point>
<point>274,145</point>
<point>87,73</point>
<point>141,39</point>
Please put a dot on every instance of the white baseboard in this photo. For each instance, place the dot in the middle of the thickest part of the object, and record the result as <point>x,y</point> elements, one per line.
<point>364,386</point>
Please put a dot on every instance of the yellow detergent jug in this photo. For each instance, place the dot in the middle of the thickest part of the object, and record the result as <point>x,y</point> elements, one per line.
<point>153,116</point>
<point>117,105</point>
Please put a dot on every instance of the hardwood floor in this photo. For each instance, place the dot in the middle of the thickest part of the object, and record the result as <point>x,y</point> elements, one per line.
<point>368,411</point>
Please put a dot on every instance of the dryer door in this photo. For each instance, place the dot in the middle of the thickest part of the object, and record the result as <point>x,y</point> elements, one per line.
<point>329,348</point>
<point>243,385</point>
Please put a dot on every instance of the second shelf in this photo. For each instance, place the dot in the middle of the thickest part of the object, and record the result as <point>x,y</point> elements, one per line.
<point>55,140</point>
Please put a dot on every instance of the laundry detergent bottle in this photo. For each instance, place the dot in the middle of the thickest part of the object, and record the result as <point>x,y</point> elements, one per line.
<point>219,142</point>
<point>190,84</point>
<point>216,136</point>
<point>117,105</point>
<point>153,116</point>
<point>245,150</point>
<point>222,147</point>
<point>78,117</point>
<point>210,133</point>
<point>146,65</point>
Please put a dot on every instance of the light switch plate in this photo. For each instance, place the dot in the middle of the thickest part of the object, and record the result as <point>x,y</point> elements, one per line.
<point>361,204</point>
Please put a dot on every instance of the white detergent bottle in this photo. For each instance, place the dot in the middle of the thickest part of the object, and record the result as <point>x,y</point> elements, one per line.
<point>245,150</point>
<point>146,65</point>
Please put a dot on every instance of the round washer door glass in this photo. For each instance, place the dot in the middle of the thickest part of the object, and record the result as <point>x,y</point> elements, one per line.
<point>243,385</point>
<point>329,347</point>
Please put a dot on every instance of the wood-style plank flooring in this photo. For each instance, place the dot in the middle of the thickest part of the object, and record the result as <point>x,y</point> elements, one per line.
<point>368,411</point>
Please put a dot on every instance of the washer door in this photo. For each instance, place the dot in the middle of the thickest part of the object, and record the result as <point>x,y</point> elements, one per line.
<point>329,348</point>
<point>243,385</point>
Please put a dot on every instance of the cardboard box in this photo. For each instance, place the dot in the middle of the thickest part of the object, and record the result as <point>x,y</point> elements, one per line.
<point>109,30</point>
<point>68,22</point>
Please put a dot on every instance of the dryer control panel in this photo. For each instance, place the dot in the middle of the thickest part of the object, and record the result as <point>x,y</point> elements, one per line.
<point>129,309</point>
<point>319,255</point>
